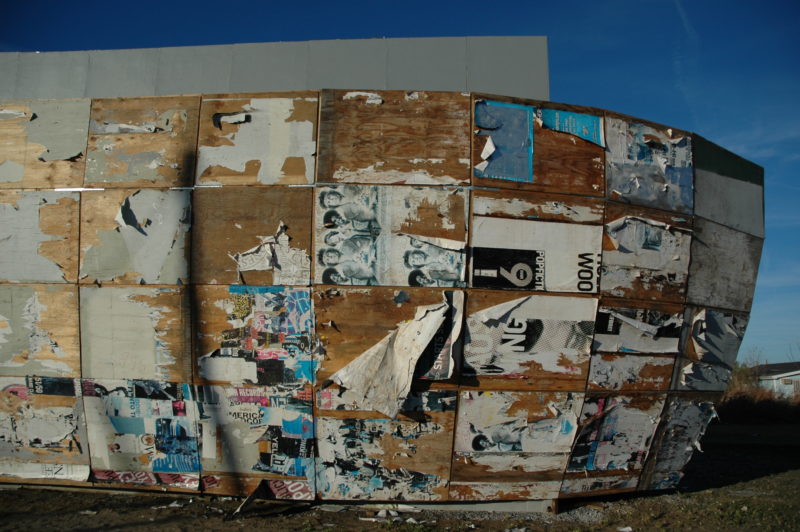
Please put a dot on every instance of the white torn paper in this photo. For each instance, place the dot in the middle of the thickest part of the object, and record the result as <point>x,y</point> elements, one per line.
<point>292,266</point>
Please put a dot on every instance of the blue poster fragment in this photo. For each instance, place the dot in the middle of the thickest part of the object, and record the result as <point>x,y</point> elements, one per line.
<point>508,152</point>
<point>587,127</point>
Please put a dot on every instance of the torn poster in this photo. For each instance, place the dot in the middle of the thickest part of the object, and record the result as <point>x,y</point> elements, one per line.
<point>382,375</point>
<point>383,459</point>
<point>587,127</point>
<point>716,336</point>
<point>138,237</point>
<point>256,429</point>
<point>142,426</point>
<point>508,146</point>
<point>143,478</point>
<point>390,236</point>
<point>291,266</point>
<point>581,484</point>
<point>630,372</point>
<point>42,429</point>
<point>532,255</point>
<point>686,422</point>
<point>256,335</point>
<point>701,376</point>
<point>651,167</point>
<point>637,330</point>
<point>39,330</point>
<point>430,401</point>
<point>536,205</point>
<point>616,432</point>
<point>504,491</point>
<point>530,334</point>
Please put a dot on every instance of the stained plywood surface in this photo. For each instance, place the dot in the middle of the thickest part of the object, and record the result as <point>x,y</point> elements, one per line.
<point>597,483</point>
<point>630,372</point>
<point>142,142</point>
<point>394,137</point>
<point>38,236</point>
<point>524,341</point>
<point>43,143</point>
<point>135,236</point>
<point>257,139</point>
<point>537,205</point>
<point>39,327</point>
<point>136,332</point>
<point>239,236</point>
<point>638,327</point>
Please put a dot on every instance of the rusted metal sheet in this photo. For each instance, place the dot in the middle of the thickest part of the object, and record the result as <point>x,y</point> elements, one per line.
<point>515,147</point>
<point>684,422</point>
<point>531,342</point>
<point>513,439</point>
<point>42,430</point>
<point>645,254</point>
<point>255,335</point>
<point>350,321</point>
<point>636,327</point>
<point>257,139</point>
<point>532,255</point>
<point>394,137</point>
<point>537,205</point>
<point>38,236</point>
<point>135,237</point>
<point>257,431</point>
<point>724,266</point>
<point>252,236</point>
<point>43,143</point>
<point>390,235</point>
<point>135,332</point>
<point>142,142</point>
<point>714,336</point>
<point>367,458</point>
<point>597,483</point>
<point>649,165</point>
<point>626,372</point>
<point>615,432</point>
<point>39,331</point>
<point>142,432</point>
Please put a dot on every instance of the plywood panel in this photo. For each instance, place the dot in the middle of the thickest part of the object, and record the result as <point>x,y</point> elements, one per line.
<point>43,143</point>
<point>531,342</point>
<point>638,327</point>
<point>135,237</point>
<point>252,236</point>
<point>628,372</point>
<point>142,142</point>
<point>38,236</point>
<point>254,334</point>
<point>504,491</point>
<point>597,483</point>
<point>390,235</point>
<point>714,336</point>
<point>394,137</point>
<point>136,332</point>
<point>39,331</point>
<point>537,205</point>
<point>257,139</point>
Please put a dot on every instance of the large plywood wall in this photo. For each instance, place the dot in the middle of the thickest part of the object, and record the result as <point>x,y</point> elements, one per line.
<point>360,295</point>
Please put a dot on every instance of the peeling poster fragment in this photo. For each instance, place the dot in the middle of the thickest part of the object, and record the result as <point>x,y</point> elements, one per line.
<point>581,485</point>
<point>508,132</point>
<point>637,330</point>
<point>702,377</point>
<point>587,127</point>
<point>716,336</point>
<point>630,372</point>
<point>291,266</point>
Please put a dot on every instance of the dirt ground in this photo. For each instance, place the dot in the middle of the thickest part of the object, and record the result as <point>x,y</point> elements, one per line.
<point>748,478</point>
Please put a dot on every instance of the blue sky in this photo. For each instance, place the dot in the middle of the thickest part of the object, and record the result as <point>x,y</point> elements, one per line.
<point>727,70</point>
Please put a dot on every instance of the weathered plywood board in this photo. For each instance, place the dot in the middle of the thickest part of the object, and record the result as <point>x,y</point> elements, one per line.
<point>581,485</point>
<point>42,430</point>
<point>254,334</point>
<point>38,236</point>
<point>504,491</point>
<point>724,266</point>
<point>350,321</point>
<point>272,488</point>
<point>636,327</point>
<point>142,426</point>
<point>534,255</point>
<point>514,437</point>
<point>252,236</point>
<point>615,432</point>
<point>531,342</point>
<point>625,372</point>
<point>394,137</point>
<point>257,139</point>
<point>537,205</point>
<point>648,165</point>
<point>136,332</point>
<point>257,430</point>
<point>135,237</point>
<point>390,235</point>
<point>714,336</point>
<point>39,331</point>
<point>43,143</point>
<point>384,459</point>
<point>520,144</point>
<point>142,142</point>
<point>645,254</point>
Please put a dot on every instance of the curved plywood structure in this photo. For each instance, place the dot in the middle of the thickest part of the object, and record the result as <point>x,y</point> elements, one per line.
<point>365,295</point>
